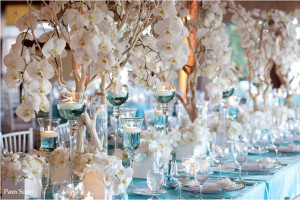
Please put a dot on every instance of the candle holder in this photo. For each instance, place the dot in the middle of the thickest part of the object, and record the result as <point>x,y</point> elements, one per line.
<point>131,137</point>
<point>71,105</point>
<point>279,96</point>
<point>164,95</point>
<point>232,110</point>
<point>225,95</point>
<point>117,99</point>
<point>49,138</point>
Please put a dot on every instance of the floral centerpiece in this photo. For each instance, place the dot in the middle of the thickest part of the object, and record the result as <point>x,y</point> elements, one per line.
<point>21,172</point>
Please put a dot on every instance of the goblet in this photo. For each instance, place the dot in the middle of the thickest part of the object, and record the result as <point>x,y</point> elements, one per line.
<point>277,140</point>
<point>201,171</point>
<point>49,137</point>
<point>155,181</point>
<point>117,98</point>
<point>131,137</point>
<point>164,95</point>
<point>181,173</point>
<point>45,179</point>
<point>240,154</point>
<point>71,105</point>
<point>219,155</point>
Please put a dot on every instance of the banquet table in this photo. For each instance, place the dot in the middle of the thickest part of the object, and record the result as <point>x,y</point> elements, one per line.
<point>285,182</point>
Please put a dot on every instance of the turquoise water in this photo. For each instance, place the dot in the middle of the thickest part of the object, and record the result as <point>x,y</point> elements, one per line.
<point>227,93</point>
<point>48,144</point>
<point>159,122</point>
<point>116,101</point>
<point>232,113</point>
<point>165,99</point>
<point>131,141</point>
<point>70,114</point>
<point>279,101</point>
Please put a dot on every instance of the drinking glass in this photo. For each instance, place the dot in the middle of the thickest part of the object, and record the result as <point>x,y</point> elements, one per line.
<point>131,137</point>
<point>181,173</point>
<point>45,179</point>
<point>49,138</point>
<point>155,181</point>
<point>277,140</point>
<point>71,105</point>
<point>201,171</point>
<point>125,112</point>
<point>291,128</point>
<point>164,95</point>
<point>117,98</point>
<point>56,192</point>
<point>240,153</point>
<point>257,142</point>
<point>219,155</point>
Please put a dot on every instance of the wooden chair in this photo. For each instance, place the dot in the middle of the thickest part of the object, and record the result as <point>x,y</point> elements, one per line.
<point>17,141</point>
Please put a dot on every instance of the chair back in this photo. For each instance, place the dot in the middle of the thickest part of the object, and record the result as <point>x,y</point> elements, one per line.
<point>21,141</point>
<point>63,132</point>
<point>149,118</point>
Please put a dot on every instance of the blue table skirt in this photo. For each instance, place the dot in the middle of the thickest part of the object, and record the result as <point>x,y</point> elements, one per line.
<point>284,183</point>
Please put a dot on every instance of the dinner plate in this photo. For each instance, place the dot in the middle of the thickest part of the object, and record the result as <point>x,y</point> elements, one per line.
<point>256,152</point>
<point>224,169</point>
<point>255,166</point>
<point>146,191</point>
<point>212,186</point>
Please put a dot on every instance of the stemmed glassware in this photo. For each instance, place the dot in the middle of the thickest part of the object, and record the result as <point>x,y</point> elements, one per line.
<point>71,105</point>
<point>277,140</point>
<point>164,95</point>
<point>107,185</point>
<point>201,171</point>
<point>131,137</point>
<point>240,154</point>
<point>155,181</point>
<point>49,137</point>
<point>219,155</point>
<point>56,192</point>
<point>117,98</point>
<point>181,173</point>
<point>45,179</point>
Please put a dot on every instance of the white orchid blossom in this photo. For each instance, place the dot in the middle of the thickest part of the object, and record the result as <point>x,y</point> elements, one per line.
<point>54,47</point>
<point>14,62</point>
<point>25,111</point>
<point>40,70</point>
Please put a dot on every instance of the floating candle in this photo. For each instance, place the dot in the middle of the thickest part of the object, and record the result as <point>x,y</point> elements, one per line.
<point>122,94</point>
<point>164,93</point>
<point>49,134</point>
<point>131,130</point>
<point>71,105</point>
<point>158,113</point>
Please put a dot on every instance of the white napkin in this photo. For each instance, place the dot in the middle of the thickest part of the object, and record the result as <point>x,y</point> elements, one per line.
<point>266,162</point>
<point>289,148</point>
<point>213,185</point>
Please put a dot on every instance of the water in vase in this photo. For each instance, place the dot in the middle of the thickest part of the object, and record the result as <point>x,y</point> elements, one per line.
<point>117,100</point>
<point>131,141</point>
<point>164,97</point>
<point>49,140</point>
<point>227,93</point>
<point>71,111</point>
<point>159,122</point>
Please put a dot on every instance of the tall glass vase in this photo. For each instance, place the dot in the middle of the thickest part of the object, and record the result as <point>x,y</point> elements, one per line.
<point>164,95</point>
<point>226,94</point>
<point>71,105</point>
<point>49,138</point>
<point>117,98</point>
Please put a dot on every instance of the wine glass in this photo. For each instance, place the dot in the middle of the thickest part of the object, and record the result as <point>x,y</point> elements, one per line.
<point>71,105</point>
<point>164,95</point>
<point>117,97</point>
<point>181,173</point>
<point>49,137</point>
<point>291,128</point>
<point>201,171</point>
<point>45,179</point>
<point>56,192</point>
<point>219,155</point>
<point>155,181</point>
<point>131,137</point>
<point>257,142</point>
<point>240,154</point>
<point>277,140</point>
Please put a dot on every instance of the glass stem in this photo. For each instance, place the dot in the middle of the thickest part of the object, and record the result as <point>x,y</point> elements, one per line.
<point>276,151</point>
<point>201,191</point>
<point>72,124</point>
<point>224,124</point>
<point>44,193</point>
<point>116,113</point>
<point>259,153</point>
<point>179,187</point>
<point>164,107</point>
<point>240,172</point>
<point>49,160</point>
<point>220,171</point>
<point>131,166</point>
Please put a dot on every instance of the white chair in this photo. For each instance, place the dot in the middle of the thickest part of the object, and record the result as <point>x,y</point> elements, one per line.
<point>149,118</point>
<point>63,132</point>
<point>17,141</point>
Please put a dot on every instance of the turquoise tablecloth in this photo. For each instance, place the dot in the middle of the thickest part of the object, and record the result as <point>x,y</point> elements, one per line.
<point>285,182</point>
